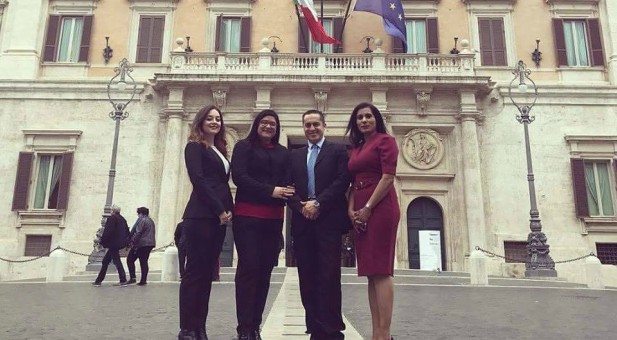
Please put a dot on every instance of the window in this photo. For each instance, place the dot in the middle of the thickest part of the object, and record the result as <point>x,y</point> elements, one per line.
<point>68,38</point>
<point>593,188</point>
<point>422,36</point>
<point>37,245</point>
<point>333,27</point>
<point>150,39</point>
<point>607,253</point>
<point>515,251</point>
<point>578,42</point>
<point>233,34</point>
<point>492,42</point>
<point>47,186</point>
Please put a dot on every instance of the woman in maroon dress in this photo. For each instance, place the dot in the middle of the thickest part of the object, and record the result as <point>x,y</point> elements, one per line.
<point>374,210</point>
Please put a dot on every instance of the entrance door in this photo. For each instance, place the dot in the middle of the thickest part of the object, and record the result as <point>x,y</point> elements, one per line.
<point>425,235</point>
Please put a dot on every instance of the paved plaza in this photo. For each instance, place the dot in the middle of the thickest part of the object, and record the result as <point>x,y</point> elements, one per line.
<point>427,306</point>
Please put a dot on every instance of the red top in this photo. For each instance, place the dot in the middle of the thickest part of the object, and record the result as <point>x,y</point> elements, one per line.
<point>270,212</point>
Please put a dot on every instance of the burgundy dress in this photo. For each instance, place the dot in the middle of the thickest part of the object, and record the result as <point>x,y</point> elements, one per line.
<point>375,247</point>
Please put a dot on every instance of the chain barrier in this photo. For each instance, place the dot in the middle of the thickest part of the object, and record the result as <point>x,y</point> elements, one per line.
<point>72,252</point>
<point>490,253</point>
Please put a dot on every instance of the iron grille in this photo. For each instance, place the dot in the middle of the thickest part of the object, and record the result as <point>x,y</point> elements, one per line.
<point>515,251</point>
<point>607,253</point>
<point>37,245</point>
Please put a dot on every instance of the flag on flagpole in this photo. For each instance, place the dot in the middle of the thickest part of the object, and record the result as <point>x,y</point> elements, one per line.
<point>392,13</point>
<point>317,30</point>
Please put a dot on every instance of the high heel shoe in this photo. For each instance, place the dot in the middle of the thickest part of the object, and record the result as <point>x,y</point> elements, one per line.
<point>186,335</point>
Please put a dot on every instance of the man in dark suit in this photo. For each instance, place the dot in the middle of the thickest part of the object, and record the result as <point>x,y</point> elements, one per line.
<point>319,173</point>
<point>115,237</point>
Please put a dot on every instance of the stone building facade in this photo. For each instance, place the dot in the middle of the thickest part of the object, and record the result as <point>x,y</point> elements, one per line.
<point>461,176</point>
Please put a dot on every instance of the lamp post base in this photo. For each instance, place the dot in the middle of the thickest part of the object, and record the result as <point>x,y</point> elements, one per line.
<point>541,273</point>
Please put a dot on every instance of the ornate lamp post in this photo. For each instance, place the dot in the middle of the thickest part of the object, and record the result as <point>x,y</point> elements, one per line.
<point>117,84</point>
<point>538,262</point>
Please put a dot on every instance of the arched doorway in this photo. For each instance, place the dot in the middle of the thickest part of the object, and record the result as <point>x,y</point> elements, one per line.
<point>425,235</point>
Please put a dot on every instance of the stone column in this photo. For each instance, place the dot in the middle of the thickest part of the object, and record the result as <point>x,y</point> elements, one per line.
<point>472,182</point>
<point>610,30</point>
<point>170,178</point>
<point>21,43</point>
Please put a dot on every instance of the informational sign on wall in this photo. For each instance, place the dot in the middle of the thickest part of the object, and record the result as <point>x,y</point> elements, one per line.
<point>430,249</point>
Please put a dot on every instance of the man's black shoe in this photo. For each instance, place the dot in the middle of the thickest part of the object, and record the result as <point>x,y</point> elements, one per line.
<point>131,281</point>
<point>185,334</point>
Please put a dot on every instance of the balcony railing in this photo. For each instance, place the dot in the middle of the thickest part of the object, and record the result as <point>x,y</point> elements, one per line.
<point>376,64</point>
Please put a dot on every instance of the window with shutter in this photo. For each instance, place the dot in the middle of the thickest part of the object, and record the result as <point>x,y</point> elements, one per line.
<point>150,39</point>
<point>422,37</point>
<point>229,34</point>
<point>578,42</point>
<point>492,42</point>
<point>68,38</point>
<point>315,47</point>
<point>22,180</point>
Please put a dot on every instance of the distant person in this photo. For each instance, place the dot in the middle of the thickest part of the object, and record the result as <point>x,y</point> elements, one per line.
<point>179,241</point>
<point>260,171</point>
<point>374,210</point>
<point>206,216</point>
<point>115,237</point>
<point>142,243</point>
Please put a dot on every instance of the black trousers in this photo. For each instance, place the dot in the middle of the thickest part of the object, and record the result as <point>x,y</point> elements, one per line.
<point>141,253</point>
<point>181,259</point>
<point>257,243</point>
<point>113,254</point>
<point>203,244</point>
<point>318,256</point>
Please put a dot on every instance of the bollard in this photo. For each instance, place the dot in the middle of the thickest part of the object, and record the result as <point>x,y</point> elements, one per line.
<point>593,271</point>
<point>56,265</point>
<point>478,268</point>
<point>169,267</point>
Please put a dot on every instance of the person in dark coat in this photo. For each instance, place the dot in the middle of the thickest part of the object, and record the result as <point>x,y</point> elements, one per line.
<point>206,216</point>
<point>115,237</point>
<point>179,241</point>
<point>142,243</point>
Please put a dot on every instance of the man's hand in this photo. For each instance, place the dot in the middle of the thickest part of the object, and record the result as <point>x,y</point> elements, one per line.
<point>309,210</point>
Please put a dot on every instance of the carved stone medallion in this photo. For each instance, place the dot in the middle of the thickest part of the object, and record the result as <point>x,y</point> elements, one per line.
<point>422,148</point>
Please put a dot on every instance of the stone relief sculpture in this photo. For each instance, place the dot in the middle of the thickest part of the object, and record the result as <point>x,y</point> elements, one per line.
<point>422,148</point>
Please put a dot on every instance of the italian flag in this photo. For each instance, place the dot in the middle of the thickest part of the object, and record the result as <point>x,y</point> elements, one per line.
<point>317,31</point>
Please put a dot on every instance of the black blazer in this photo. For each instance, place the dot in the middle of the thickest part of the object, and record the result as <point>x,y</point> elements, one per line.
<point>257,170</point>
<point>332,180</point>
<point>211,195</point>
<point>116,232</point>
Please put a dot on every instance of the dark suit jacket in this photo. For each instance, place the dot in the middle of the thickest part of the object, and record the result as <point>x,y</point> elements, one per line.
<point>332,180</point>
<point>211,195</point>
<point>116,232</point>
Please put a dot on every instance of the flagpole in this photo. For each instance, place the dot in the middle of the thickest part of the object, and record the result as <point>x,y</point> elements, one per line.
<point>300,26</point>
<point>338,47</point>
<point>321,44</point>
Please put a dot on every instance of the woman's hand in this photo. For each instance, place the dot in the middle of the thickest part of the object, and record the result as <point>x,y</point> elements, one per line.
<point>360,219</point>
<point>225,217</point>
<point>283,192</point>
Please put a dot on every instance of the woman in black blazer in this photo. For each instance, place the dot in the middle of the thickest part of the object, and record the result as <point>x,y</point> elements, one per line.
<point>205,218</point>
<point>260,171</point>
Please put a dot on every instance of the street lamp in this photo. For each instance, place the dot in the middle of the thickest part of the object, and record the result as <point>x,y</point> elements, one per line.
<point>538,262</point>
<point>119,83</point>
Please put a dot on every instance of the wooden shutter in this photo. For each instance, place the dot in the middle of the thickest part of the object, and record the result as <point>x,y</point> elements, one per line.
<point>150,39</point>
<point>65,180</point>
<point>580,187</point>
<point>22,181</point>
<point>397,46</point>
<point>84,48</point>
<point>51,41</point>
<point>217,39</point>
<point>595,42</point>
<point>245,34</point>
<point>432,35</point>
<point>560,42</point>
<point>303,37</point>
<point>492,42</point>
<point>337,30</point>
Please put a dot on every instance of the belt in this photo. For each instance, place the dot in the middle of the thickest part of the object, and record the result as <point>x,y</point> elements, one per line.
<point>362,185</point>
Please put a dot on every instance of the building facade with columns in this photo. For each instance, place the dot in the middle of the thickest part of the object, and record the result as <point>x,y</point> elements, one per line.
<point>461,176</point>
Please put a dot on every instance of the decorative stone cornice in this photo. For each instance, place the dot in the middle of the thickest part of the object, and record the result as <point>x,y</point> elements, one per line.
<point>572,2</point>
<point>512,2</point>
<point>51,140</point>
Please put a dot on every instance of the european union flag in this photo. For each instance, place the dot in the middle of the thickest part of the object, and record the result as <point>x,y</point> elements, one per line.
<point>392,13</point>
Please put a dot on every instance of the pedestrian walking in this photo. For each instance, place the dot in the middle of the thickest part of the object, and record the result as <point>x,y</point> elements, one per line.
<point>374,210</point>
<point>142,243</point>
<point>115,237</point>
<point>205,218</point>
<point>260,171</point>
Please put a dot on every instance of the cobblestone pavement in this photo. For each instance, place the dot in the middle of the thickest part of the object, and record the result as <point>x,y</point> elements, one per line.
<point>423,310</point>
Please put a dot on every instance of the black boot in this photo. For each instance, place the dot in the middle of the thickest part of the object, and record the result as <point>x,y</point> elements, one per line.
<point>185,334</point>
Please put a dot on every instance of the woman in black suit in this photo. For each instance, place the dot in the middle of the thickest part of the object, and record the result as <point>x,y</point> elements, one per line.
<point>260,171</point>
<point>205,218</point>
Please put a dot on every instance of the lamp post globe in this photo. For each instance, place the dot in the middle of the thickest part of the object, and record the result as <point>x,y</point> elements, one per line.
<point>538,262</point>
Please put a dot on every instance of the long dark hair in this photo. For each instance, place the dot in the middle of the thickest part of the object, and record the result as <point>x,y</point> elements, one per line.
<point>355,136</point>
<point>197,132</point>
<point>253,136</point>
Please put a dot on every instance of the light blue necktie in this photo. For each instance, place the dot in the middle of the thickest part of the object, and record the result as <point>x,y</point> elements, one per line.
<point>310,165</point>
